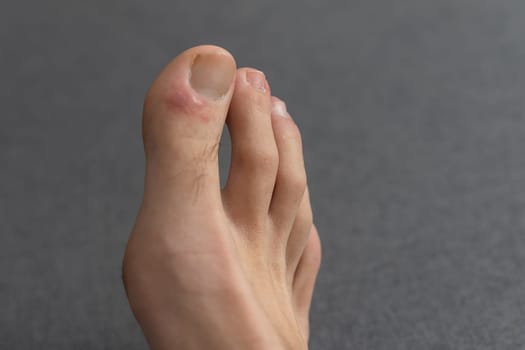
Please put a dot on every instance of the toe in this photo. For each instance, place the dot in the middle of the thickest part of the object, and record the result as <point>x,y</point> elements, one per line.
<point>254,160</point>
<point>299,235</point>
<point>290,208</point>
<point>305,276</point>
<point>290,183</point>
<point>184,114</point>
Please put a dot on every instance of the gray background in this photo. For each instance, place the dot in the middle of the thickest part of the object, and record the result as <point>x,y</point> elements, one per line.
<point>413,120</point>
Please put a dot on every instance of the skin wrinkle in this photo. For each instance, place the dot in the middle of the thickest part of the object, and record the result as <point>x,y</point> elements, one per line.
<point>197,186</point>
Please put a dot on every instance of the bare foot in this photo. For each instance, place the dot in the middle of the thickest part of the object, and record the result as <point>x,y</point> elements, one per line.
<point>212,268</point>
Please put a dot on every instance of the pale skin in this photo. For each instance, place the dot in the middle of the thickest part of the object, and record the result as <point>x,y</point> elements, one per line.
<point>221,268</point>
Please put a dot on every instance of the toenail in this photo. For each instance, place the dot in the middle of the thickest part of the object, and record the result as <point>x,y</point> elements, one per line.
<point>279,108</point>
<point>212,74</point>
<point>256,79</point>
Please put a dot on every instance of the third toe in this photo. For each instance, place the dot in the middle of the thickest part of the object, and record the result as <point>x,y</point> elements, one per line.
<point>290,184</point>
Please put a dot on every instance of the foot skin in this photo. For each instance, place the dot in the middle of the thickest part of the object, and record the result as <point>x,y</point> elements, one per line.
<point>212,268</point>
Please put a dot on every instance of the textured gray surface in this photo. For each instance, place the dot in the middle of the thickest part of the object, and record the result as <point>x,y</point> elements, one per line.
<point>413,119</point>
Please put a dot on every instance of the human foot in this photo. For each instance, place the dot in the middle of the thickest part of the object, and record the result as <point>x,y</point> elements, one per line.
<point>207,268</point>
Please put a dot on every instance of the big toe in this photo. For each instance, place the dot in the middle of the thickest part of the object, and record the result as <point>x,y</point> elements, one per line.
<point>184,114</point>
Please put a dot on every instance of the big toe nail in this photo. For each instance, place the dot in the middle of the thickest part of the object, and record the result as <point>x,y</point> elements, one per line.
<point>212,74</point>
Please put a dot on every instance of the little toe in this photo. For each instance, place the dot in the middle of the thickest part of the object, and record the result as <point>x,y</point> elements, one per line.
<point>184,114</point>
<point>305,277</point>
<point>254,160</point>
<point>299,235</point>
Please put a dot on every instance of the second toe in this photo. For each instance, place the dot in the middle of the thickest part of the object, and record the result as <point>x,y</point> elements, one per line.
<point>255,158</point>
